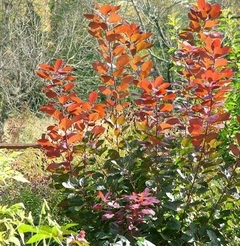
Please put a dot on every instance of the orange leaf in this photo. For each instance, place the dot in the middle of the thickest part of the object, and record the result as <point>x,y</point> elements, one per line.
<point>100,67</point>
<point>63,99</point>
<point>86,106</point>
<point>220,62</point>
<point>122,61</point>
<point>105,9</point>
<point>144,84</point>
<point>165,126</point>
<point>93,117</point>
<point>210,23</point>
<point>46,67</point>
<point>100,108</point>
<point>113,18</point>
<point>68,86</point>
<point>105,90</point>
<point>44,75</point>
<point>166,107</point>
<point>118,50</point>
<point>58,64</point>
<point>92,97</point>
<point>146,66</point>
<point>158,81</point>
<point>64,124</point>
<point>143,45</point>
<point>70,78</point>
<point>107,79</point>
<point>75,138</point>
<point>192,16</point>
<point>119,107</point>
<point>169,97</point>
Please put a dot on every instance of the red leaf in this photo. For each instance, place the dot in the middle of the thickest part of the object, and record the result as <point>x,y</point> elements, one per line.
<point>44,142</point>
<point>224,117</point>
<point>201,4</point>
<point>186,35</point>
<point>51,94</point>
<point>98,130</point>
<point>113,37</point>
<point>238,138</point>
<point>235,150</point>
<point>215,11</point>
<point>52,167</point>
<point>195,26</point>
<point>211,136</point>
<point>195,131</point>
<point>89,16</point>
<point>92,97</point>
<point>173,121</point>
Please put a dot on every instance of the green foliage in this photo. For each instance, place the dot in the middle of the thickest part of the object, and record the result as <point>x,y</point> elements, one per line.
<point>18,228</point>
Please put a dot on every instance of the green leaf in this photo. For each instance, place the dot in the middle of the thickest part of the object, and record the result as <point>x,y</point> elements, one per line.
<point>143,242</point>
<point>23,228</point>
<point>38,238</point>
<point>174,224</point>
<point>213,237</point>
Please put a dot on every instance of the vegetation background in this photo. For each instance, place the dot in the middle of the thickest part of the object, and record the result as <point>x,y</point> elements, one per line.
<point>34,32</point>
